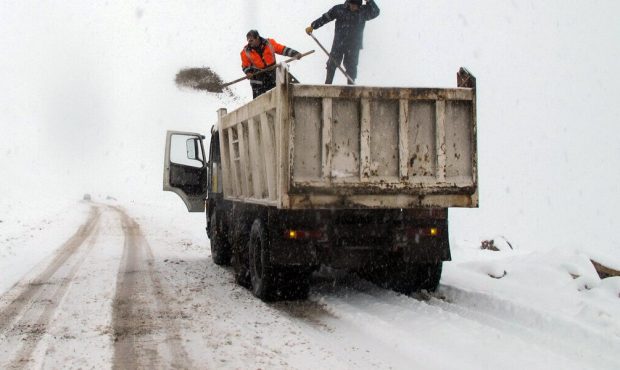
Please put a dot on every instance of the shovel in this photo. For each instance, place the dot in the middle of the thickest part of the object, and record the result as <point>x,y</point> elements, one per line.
<point>205,79</point>
<point>338,65</point>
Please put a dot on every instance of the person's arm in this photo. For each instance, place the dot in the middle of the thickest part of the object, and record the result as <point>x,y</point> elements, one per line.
<point>325,18</point>
<point>370,10</point>
<point>246,64</point>
<point>284,50</point>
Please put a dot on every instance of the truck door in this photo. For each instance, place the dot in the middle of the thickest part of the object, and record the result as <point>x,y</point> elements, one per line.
<point>185,169</point>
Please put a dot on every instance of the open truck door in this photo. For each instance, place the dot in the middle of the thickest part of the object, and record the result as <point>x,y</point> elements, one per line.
<point>185,168</point>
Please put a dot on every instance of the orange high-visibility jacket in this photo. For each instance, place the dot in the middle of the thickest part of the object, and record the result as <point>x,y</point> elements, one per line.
<point>264,57</point>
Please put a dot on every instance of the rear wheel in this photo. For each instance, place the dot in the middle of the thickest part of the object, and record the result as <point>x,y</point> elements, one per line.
<point>295,284</point>
<point>220,249</point>
<point>240,265</point>
<point>404,277</point>
<point>262,273</point>
<point>413,277</point>
<point>429,276</point>
<point>270,281</point>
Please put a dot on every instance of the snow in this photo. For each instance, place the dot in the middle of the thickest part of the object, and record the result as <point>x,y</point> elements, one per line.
<point>548,304</point>
<point>31,232</point>
<point>89,93</point>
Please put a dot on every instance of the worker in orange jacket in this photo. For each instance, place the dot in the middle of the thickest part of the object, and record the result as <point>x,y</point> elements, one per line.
<point>258,54</point>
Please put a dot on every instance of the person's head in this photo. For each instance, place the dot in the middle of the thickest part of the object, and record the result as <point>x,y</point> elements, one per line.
<point>354,5</point>
<point>253,38</point>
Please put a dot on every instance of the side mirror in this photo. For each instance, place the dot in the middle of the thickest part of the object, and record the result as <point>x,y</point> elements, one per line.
<point>187,150</point>
<point>193,149</point>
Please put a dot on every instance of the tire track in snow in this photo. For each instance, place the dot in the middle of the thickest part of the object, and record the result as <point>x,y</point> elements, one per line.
<point>143,323</point>
<point>29,314</point>
<point>471,321</point>
<point>19,303</point>
<point>559,334</point>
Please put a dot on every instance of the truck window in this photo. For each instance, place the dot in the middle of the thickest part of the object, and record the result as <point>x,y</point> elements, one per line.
<point>186,150</point>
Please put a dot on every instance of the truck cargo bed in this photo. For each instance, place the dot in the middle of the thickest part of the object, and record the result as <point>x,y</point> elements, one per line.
<point>317,146</point>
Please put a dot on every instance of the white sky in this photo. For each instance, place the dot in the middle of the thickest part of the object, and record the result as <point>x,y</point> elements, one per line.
<point>88,93</point>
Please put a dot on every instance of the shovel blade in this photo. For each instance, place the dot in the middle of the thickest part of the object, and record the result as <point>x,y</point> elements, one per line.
<point>202,79</point>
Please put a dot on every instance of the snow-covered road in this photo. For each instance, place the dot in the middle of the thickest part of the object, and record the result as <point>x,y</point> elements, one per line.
<point>135,287</point>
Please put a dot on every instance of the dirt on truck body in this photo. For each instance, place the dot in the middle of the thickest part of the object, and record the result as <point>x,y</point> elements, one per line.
<point>353,177</point>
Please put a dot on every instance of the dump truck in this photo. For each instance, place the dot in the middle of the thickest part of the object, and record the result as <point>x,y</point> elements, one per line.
<point>353,178</point>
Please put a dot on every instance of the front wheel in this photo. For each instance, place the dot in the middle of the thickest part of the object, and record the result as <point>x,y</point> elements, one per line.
<point>220,249</point>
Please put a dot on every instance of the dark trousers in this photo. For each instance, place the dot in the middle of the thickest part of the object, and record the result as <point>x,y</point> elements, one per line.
<point>351,58</point>
<point>262,83</point>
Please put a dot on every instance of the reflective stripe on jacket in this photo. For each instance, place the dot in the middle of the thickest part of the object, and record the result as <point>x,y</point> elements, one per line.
<point>264,55</point>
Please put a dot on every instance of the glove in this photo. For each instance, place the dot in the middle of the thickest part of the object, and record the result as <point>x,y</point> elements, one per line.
<point>309,30</point>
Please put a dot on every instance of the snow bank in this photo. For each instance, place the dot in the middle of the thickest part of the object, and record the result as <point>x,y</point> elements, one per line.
<point>557,283</point>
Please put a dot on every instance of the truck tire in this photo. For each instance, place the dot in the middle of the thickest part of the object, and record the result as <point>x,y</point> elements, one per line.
<point>262,272</point>
<point>241,265</point>
<point>271,282</point>
<point>414,277</point>
<point>295,283</point>
<point>429,275</point>
<point>220,249</point>
<point>405,277</point>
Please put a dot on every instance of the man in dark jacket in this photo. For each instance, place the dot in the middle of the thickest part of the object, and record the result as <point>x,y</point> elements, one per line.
<point>350,19</point>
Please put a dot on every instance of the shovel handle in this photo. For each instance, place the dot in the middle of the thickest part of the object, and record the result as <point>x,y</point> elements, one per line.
<point>333,61</point>
<point>270,68</point>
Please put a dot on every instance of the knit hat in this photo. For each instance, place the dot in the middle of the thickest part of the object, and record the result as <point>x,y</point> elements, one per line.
<point>356,2</point>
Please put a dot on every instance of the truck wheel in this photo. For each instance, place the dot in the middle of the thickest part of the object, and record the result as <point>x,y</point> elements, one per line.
<point>240,264</point>
<point>262,272</point>
<point>220,249</point>
<point>413,277</point>
<point>404,277</point>
<point>429,276</point>
<point>295,284</point>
